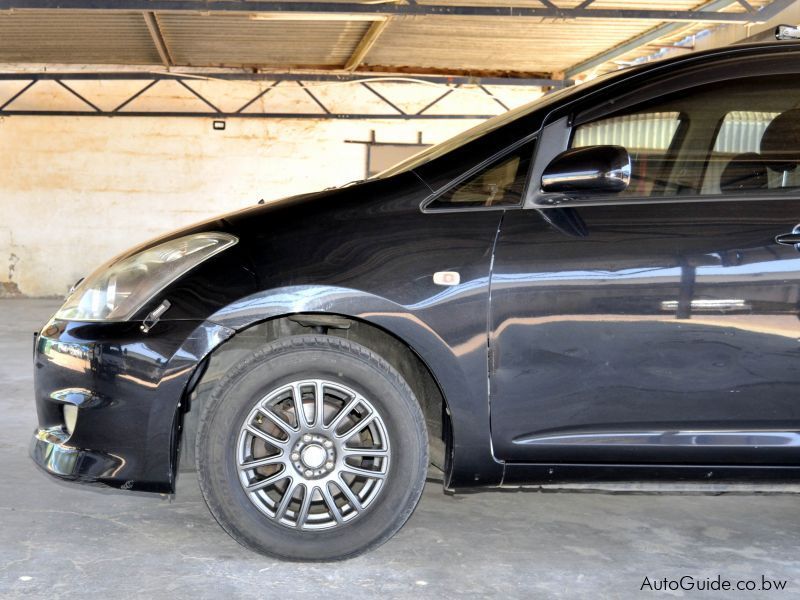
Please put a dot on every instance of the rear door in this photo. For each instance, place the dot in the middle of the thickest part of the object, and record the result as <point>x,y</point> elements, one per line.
<point>661,324</point>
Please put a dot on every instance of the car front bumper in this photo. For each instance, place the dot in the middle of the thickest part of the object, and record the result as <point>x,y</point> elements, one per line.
<point>128,387</point>
<point>50,450</point>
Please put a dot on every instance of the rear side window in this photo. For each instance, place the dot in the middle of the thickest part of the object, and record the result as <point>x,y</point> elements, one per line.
<point>500,184</point>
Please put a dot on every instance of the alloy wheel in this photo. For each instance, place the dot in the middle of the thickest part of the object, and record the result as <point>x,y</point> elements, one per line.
<point>313,454</point>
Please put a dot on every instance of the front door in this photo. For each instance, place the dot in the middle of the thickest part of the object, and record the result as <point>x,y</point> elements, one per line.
<point>662,325</point>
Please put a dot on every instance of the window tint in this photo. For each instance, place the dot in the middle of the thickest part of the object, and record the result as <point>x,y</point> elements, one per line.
<point>646,136</point>
<point>648,132</point>
<point>735,137</point>
<point>500,184</point>
<point>740,133</point>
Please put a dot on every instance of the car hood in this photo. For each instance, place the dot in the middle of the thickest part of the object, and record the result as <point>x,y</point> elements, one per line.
<point>241,222</point>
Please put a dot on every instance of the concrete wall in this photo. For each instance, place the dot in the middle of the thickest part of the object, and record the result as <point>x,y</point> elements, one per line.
<point>75,191</point>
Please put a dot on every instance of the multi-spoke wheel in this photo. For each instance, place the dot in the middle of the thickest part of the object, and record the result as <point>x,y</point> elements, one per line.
<point>313,454</point>
<point>298,449</point>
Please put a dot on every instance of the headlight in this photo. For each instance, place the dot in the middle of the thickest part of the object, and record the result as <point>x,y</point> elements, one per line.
<point>121,287</point>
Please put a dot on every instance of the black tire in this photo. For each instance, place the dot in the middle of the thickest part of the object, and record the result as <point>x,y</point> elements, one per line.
<point>334,359</point>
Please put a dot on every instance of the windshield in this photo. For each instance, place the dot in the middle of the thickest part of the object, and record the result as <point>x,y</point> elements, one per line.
<point>487,126</point>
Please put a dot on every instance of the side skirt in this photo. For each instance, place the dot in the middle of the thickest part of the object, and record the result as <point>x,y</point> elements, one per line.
<point>659,477</point>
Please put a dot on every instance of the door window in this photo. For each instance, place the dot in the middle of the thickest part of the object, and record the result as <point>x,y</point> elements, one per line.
<point>740,134</point>
<point>646,136</point>
<point>736,137</point>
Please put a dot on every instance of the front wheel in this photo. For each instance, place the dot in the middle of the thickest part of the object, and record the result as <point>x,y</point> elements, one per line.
<point>312,448</point>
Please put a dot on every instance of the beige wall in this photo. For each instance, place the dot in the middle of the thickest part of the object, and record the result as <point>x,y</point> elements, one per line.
<point>75,191</point>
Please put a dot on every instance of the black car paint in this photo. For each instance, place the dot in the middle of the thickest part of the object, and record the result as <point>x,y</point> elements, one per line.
<point>365,251</point>
<point>127,386</point>
<point>655,379</point>
<point>369,252</point>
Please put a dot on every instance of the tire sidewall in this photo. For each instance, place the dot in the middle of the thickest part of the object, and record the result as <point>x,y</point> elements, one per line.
<point>311,357</point>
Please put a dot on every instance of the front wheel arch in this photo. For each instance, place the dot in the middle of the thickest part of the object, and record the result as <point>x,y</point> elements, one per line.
<point>397,352</point>
<point>265,478</point>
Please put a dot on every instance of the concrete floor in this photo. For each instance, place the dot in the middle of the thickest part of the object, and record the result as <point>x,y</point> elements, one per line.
<point>62,540</point>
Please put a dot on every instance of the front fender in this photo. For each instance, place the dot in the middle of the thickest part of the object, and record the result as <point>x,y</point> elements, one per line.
<point>455,353</point>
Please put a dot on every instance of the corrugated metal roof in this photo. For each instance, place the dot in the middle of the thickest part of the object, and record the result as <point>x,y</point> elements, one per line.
<point>237,40</point>
<point>438,43</point>
<point>58,37</point>
<point>497,43</point>
<point>680,34</point>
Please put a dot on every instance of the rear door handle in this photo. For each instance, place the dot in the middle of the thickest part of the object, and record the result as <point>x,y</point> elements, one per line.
<point>790,239</point>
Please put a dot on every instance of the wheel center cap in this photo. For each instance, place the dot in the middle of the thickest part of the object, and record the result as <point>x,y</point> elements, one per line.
<point>313,456</point>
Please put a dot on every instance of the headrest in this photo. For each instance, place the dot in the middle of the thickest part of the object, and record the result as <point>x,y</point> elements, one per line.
<point>744,172</point>
<point>780,144</point>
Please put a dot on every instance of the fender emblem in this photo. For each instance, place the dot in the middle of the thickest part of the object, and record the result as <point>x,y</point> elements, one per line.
<point>446,278</point>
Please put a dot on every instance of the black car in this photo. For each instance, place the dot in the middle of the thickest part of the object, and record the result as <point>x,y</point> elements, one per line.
<point>603,285</point>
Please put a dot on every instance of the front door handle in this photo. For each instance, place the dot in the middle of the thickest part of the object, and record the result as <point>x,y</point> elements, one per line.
<point>790,239</point>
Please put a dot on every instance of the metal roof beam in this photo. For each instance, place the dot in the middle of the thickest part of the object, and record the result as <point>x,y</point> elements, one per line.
<point>7,109</point>
<point>281,76</point>
<point>324,8</point>
<point>158,39</point>
<point>254,115</point>
<point>661,31</point>
<point>365,45</point>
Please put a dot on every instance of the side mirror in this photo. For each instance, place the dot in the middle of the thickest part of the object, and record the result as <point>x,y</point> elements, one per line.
<point>589,170</point>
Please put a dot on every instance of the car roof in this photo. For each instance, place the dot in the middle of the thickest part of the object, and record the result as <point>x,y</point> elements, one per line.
<point>710,54</point>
